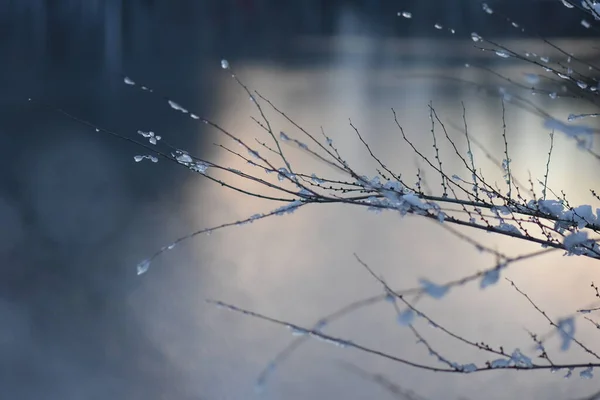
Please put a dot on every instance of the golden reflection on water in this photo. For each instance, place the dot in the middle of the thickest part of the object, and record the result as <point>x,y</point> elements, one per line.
<point>300,267</point>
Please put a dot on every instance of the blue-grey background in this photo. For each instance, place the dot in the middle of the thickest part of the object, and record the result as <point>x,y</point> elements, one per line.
<point>77,214</point>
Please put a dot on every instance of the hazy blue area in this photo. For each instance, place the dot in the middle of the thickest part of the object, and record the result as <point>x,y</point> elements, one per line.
<point>77,214</point>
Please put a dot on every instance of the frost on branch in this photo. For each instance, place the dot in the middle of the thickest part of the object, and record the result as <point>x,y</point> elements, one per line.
<point>566,329</point>
<point>434,290</point>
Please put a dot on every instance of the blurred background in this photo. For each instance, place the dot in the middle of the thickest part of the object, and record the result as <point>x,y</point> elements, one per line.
<point>77,213</point>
